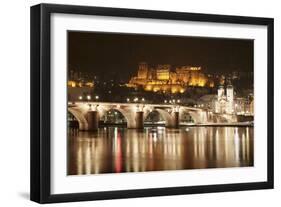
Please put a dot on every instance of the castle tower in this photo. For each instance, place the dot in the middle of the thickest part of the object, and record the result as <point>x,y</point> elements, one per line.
<point>163,72</point>
<point>143,70</point>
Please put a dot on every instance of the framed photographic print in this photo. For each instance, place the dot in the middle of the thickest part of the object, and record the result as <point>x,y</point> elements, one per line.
<point>133,103</point>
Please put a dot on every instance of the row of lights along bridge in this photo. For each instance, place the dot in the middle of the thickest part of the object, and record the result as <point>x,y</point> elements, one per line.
<point>135,100</point>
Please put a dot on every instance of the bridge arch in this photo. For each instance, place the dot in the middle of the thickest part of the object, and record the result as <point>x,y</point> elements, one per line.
<point>112,113</point>
<point>186,117</point>
<point>198,116</point>
<point>83,123</point>
<point>126,113</point>
<point>165,115</point>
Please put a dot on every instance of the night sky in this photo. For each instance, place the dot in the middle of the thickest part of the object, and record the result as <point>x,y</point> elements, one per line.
<point>100,53</point>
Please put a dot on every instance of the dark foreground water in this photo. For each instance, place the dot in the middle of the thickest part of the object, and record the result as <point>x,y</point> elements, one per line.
<point>115,150</point>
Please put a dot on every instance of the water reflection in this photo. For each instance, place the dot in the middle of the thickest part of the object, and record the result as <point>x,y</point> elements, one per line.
<point>115,150</point>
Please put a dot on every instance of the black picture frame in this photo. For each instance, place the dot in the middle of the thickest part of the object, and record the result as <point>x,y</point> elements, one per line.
<point>41,96</point>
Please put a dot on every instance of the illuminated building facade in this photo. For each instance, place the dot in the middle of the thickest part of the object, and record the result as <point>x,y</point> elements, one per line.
<point>229,104</point>
<point>225,101</point>
<point>143,71</point>
<point>164,78</point>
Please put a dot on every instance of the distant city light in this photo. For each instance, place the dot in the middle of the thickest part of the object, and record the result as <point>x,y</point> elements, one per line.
<point>165,101</point>
<point>128,100</point>
<point>143,99</point>
<point>179,101</point>
<point>89,97</point>
<point>97,97</point>
<point>80,97</point>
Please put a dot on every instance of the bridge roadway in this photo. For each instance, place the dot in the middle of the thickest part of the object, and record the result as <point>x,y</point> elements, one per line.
<point>89,113</point>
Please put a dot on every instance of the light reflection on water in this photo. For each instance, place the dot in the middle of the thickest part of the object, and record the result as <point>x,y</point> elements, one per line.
<point>115,150</point>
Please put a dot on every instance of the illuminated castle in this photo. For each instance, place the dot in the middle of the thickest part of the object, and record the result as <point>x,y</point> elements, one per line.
<point>162,78</point>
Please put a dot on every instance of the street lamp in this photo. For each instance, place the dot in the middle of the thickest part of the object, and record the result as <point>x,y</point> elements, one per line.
<point>128,100</point>
<point>89,97</point>
<point>80,97</point>
<point>97,97</point>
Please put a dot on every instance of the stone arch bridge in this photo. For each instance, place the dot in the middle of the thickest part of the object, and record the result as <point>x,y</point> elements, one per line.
<point>88,114</point>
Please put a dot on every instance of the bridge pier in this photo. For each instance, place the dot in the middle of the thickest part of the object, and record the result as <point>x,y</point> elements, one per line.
<point>175,120</point>
<point>93,120</point>
<point>139,120</point>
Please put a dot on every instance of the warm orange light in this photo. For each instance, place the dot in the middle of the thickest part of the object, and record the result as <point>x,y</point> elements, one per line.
<point>71,84</point>
<point>174,90</point>
<point>164,79</point>
<point>89,84</point>
<point>148,87</point>
<point>155,89</point>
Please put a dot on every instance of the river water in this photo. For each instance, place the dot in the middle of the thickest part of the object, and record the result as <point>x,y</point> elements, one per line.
<point>117,149</point>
